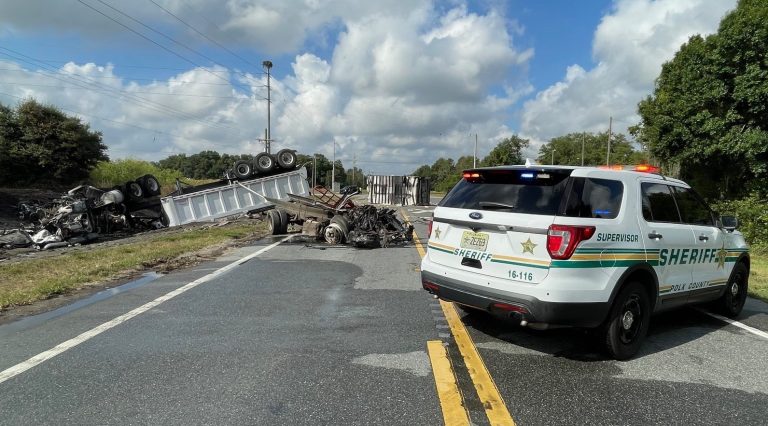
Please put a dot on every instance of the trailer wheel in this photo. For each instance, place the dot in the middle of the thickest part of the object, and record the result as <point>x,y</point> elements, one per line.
<point>135,193</point>
<point>242,169</point>
<point>274,224</point>
<point>150,185</point>
<point>264,162</point>
<point>283,221</point>
<point>286,159</point>
<point>337,231</point>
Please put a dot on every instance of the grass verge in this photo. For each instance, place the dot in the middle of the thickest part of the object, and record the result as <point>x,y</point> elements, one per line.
<point>36,279</point>
<point>758,277</point>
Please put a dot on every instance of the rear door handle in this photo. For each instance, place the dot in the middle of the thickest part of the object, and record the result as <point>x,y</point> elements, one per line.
<point>703,237</point>
<point>654,235</point>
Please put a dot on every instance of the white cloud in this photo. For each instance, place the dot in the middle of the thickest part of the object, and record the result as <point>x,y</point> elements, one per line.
<point>630,45</point>
<point>405,83</point>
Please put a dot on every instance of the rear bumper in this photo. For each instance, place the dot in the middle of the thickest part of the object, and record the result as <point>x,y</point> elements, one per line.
<point>579,314</point>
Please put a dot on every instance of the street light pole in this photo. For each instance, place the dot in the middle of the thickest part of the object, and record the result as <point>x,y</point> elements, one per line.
<point>553,156</point>
<point>333,167</point>
<point>474,157</point>
<point>268,65</point>
<point>582,149</point>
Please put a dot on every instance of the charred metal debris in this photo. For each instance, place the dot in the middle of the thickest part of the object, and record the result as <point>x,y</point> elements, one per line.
<point>336,219</point>
<point>86,213</point>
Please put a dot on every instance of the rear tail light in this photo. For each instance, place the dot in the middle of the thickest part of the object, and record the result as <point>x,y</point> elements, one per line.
<point>430,221</point>
<point>563,239</point>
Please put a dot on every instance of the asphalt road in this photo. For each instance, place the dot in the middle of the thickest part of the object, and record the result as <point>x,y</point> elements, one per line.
<point>312,334</point>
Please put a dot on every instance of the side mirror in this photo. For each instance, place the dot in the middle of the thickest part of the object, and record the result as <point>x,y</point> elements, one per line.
<point>729,223</point>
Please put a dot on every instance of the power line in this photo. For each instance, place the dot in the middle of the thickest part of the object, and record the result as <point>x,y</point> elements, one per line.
<point>131,92</point>
<point>130,78</point>
<point>142,102</point>
<point>205,36</point>
<point>147,38</point>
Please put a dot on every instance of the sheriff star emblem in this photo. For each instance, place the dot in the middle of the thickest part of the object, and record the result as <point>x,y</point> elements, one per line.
<point>721,255</point>
<point>437,232</point>
<point>528,246</point>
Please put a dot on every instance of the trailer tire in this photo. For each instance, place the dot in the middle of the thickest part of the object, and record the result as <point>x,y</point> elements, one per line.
<point>283,221</point>
<point>274,224</point>
<point>264,162</point>
<point>343,224</point>
<point>150,185</point>
<point>286,158</point>
<point>134,191</point>
<point>242,169</point>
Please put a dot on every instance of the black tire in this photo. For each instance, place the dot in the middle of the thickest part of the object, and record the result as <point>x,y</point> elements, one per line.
<point>150,185</point>
<point>337,230</point>
<point>242,169</point>
<point>732,301</point>
<point>286,158</point>
<point>343,224</point>
<point>283,221</point>
<point>628,322</point>
<point>134,191</point>
<point>274,224</point>
<point>264,162</point>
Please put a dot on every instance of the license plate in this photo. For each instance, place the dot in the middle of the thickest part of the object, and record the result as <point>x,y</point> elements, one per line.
<point>474,240</point>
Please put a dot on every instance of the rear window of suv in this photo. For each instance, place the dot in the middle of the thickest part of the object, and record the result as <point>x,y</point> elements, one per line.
<point>537,192</point>
<point>518,191</point>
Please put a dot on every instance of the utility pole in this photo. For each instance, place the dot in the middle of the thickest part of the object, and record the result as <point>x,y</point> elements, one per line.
<point>333,167</point>
<point>582,149</point>
<point>474,158</point>
<point>608,155</point>
<point>268,66</point>
<point>553,156</point>
<point>354,166</point>
<point>314,170</point>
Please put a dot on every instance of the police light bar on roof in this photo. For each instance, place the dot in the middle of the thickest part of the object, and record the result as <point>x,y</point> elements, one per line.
<point>644,168</point>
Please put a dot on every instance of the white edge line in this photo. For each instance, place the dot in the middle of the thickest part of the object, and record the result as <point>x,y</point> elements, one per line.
<point>737,324</point>
<point>71,343</point>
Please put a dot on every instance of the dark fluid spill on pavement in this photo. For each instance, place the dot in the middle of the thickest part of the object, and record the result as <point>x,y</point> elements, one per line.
<point>35,320</point>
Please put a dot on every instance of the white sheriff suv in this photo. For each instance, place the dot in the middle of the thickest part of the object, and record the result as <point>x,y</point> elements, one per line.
<point>584,247</point>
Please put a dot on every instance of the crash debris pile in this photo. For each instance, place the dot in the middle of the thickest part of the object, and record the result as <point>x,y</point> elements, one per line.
<point>86,213</point>
<point>336,219</point>
<point>371,226</point>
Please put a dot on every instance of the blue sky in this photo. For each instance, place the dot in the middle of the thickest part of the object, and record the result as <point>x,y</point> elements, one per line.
<point>394,84</point>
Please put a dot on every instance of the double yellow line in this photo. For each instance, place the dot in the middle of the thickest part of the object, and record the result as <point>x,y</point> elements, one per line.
<point>451,402</point>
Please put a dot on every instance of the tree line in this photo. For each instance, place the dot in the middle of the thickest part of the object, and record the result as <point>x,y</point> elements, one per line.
<point>588,149</point>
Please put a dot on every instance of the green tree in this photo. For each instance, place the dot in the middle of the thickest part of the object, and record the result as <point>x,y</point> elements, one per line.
<point>568,149</point>
<point>508,151</point>
<point>39,143</point>
<point>709,106</point>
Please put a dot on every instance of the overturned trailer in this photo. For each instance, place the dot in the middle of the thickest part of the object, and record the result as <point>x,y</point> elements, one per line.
<point>284,200</point>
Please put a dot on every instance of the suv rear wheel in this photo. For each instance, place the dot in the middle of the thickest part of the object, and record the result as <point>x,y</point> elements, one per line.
<point>628,322</point>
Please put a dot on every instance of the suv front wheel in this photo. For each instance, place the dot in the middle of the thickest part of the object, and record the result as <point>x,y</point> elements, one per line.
<point>735,294</point>
<point>628,323</point>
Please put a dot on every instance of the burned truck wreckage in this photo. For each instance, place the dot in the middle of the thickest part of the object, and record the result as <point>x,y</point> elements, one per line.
<point>85,213</point>
<point>337,219</point>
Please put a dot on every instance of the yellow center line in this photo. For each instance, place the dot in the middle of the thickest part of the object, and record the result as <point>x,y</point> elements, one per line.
<point>454,412</point>
<point>486,388</point>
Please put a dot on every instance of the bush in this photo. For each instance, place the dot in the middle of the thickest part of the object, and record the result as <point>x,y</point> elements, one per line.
<point>110,173</point>
<point>753,218</point>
